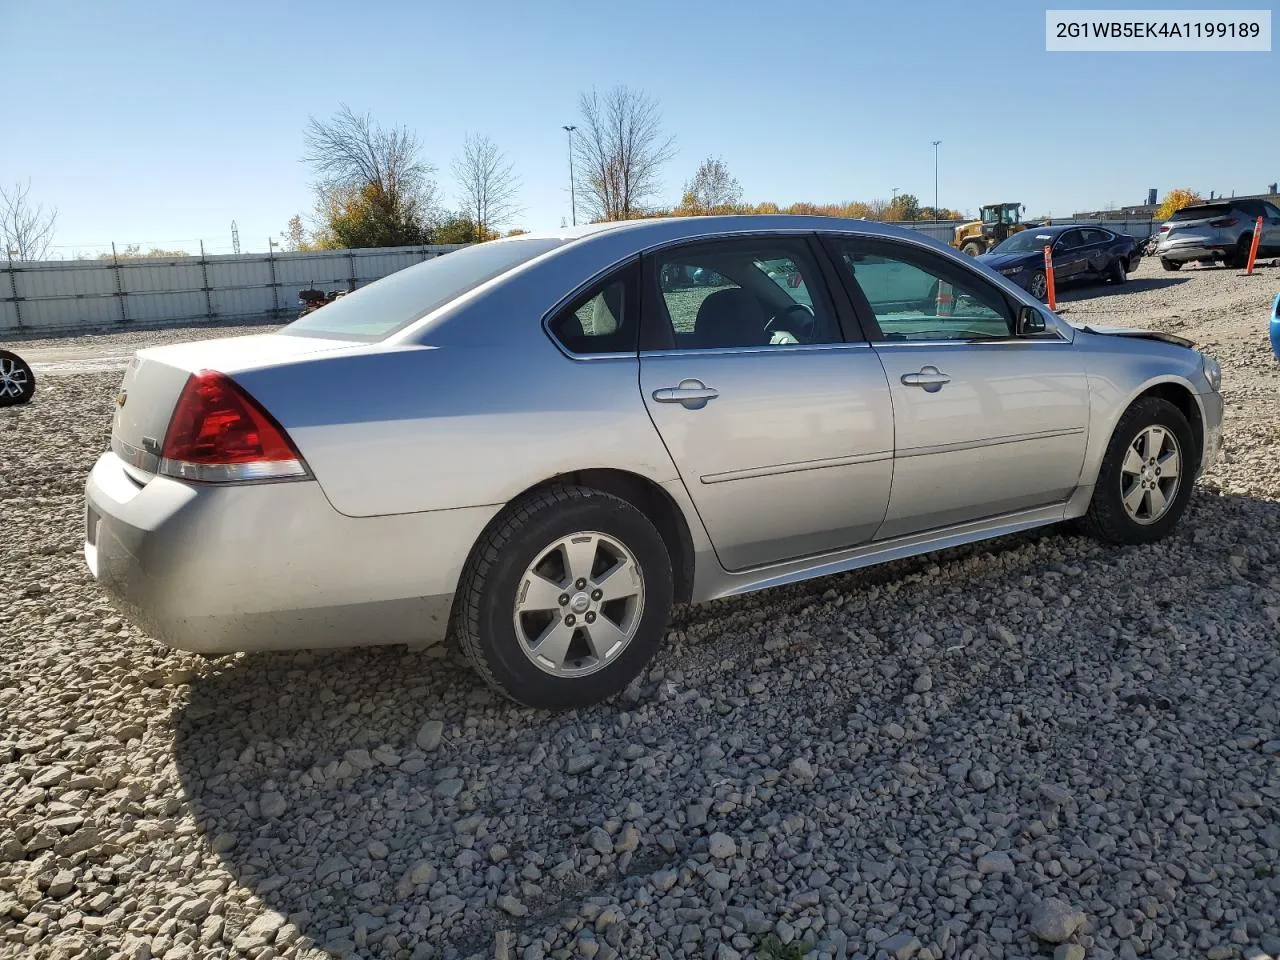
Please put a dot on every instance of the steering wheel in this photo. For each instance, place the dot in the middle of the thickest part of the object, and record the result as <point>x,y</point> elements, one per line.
<point>804,320</point>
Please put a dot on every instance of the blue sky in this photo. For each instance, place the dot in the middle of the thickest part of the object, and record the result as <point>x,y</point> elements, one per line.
<point>161,123</point>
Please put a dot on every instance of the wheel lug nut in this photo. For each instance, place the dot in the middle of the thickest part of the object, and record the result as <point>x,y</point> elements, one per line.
<point>597,594</point>
<point>570,620</point>
<point>564,599</point>
<point>591,618</point>
<point>581,583</point>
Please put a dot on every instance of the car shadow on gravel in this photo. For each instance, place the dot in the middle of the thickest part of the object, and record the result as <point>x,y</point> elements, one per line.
<point>379,795</point>
<point>1092,291</point>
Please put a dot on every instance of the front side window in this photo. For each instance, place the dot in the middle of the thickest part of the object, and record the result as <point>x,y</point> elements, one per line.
<point>913,296</point>
<point>752,292</point>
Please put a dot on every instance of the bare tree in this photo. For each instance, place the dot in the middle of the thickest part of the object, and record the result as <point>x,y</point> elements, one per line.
<point>487,184</point>
<point>620,149</point>
<point>25,229</point>
<point>352,156</point>
<point>712,190</point>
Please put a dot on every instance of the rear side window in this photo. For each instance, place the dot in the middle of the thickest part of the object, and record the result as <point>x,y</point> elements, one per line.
<point>385,306</point>
<point>604,319</point>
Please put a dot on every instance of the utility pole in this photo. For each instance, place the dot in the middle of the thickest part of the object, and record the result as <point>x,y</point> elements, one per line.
<point>235,239</point>
<point>935,180</point>
<point>573,202</point>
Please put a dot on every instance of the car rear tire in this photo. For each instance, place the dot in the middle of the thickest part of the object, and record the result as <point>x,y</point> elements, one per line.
<point>973,248</point>
<point>1135,499</point>
<point>1038,286</point>
<point>565,598</point>
<point>1118,271</point>
<point>1170,264</point>
<point>1239,257</point>
<point>17,382</point>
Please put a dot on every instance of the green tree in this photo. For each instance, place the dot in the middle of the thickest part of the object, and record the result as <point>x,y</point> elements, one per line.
<point>373,187</point>
<point>904,206</point>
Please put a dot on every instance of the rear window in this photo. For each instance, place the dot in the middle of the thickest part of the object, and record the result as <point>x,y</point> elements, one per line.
<point>1201,212</point>
<point>392,303</point>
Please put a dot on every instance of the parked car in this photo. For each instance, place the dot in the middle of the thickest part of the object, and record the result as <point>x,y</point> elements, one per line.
<point>1079,253</point>
<point>1218,231</point>
<point>537,446</point>
<point>1274,326</point>
<point>17,382</point>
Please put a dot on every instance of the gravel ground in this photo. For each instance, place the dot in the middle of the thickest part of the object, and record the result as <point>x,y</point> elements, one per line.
<point>1040,747</point>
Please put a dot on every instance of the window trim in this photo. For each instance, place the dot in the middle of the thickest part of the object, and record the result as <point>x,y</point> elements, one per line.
<point>629,271</point>
<point>657,333</point>
<point>922,255</point>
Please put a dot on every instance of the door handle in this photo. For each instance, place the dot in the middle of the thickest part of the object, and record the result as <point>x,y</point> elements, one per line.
<point>929,378</point>
<point>693,394</point>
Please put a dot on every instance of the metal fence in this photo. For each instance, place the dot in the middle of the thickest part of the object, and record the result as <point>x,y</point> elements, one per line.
<point>59,296</point>
<point>66,295</point>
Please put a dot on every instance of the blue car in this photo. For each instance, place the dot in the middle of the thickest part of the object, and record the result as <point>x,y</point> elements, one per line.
<point>1275,326</point>
<point>1079,253</point>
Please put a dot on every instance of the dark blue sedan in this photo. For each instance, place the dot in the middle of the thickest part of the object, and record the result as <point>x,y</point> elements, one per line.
<point>1079,253</point>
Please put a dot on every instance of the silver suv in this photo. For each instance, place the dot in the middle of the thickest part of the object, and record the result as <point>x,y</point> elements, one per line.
<point>1220,230</point>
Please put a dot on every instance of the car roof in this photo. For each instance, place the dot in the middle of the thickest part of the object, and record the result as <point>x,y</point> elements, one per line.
<point>674,228</point>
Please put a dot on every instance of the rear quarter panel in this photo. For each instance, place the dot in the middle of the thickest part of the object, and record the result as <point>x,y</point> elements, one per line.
<point>417,428</point>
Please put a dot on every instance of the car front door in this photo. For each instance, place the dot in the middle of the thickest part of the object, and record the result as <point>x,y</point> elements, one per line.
<point>1070,258</point>
<point>781,429</point>
<point>986,423</point>
<point>1269,245</point>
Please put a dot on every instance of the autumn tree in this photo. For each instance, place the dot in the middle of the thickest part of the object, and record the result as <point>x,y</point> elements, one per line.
<point>373,179</point>
<point>712,190</point>
<point>487,185</point>
<point>904,206</point>
<point>134,251</point>
<point>619,150</point>
<point>295,236</point>
<point>26,228</point>
<point>1175,200</point>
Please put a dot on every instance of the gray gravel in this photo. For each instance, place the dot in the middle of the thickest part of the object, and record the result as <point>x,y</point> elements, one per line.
<point>1040,747</point>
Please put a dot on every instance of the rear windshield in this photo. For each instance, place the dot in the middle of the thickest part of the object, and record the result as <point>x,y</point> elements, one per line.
<point>1201,212</point>
<point>392,303</point>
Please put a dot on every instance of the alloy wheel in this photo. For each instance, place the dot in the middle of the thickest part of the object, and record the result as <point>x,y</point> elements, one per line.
<point>1150,474</point>
<point>579,604</point>
<point>13,378</point>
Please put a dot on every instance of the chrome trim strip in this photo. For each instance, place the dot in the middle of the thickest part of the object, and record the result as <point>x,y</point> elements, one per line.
<point>767,348</point>
<point>987,442</point>
<point>1055,340</point>
<point>135,457</point>
<point>799,467</point>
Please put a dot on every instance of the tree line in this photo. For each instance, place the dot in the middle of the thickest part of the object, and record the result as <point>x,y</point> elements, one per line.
<point>374,188</point>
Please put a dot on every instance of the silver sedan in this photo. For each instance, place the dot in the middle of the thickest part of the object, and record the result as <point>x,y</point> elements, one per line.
<point>537,445</point>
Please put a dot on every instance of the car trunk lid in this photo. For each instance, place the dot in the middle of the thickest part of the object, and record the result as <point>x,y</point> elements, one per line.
<point>155,376</point>
<point>1196,222</point>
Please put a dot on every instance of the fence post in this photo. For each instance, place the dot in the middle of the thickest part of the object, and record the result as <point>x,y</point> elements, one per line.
<point>351,257</point>
<point>275,287</point>
<point>115,260</point>
<point>13,288</point>
<point>204,273</point>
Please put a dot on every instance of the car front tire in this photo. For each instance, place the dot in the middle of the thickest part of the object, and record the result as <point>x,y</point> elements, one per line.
<point>1146,476</point>
<point>565,599</point>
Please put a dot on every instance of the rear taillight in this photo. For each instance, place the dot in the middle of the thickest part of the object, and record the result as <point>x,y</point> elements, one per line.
<point>1224,222</point>
<point>219,434</point>
<point>1165,228</point>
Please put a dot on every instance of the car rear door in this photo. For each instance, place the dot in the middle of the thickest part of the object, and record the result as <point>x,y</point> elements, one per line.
<point>986,423</point>
<point>781,429</point>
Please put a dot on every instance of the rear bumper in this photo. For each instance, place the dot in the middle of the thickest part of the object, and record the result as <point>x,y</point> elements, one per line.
<point>1183,251</point>
<point>270,566</point>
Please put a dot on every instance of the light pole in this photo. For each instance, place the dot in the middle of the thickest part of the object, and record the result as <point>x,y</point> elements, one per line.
<point>573,203</point>
<point>935,180</point>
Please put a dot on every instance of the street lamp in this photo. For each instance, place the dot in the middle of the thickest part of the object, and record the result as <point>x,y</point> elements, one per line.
<point>935,180</point>
<point>573,204</point>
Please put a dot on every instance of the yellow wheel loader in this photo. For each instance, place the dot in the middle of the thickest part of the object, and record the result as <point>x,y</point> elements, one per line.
<point>999,220</point>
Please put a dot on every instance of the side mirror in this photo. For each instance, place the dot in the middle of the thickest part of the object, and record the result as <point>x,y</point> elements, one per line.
<point>1030,322</point>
